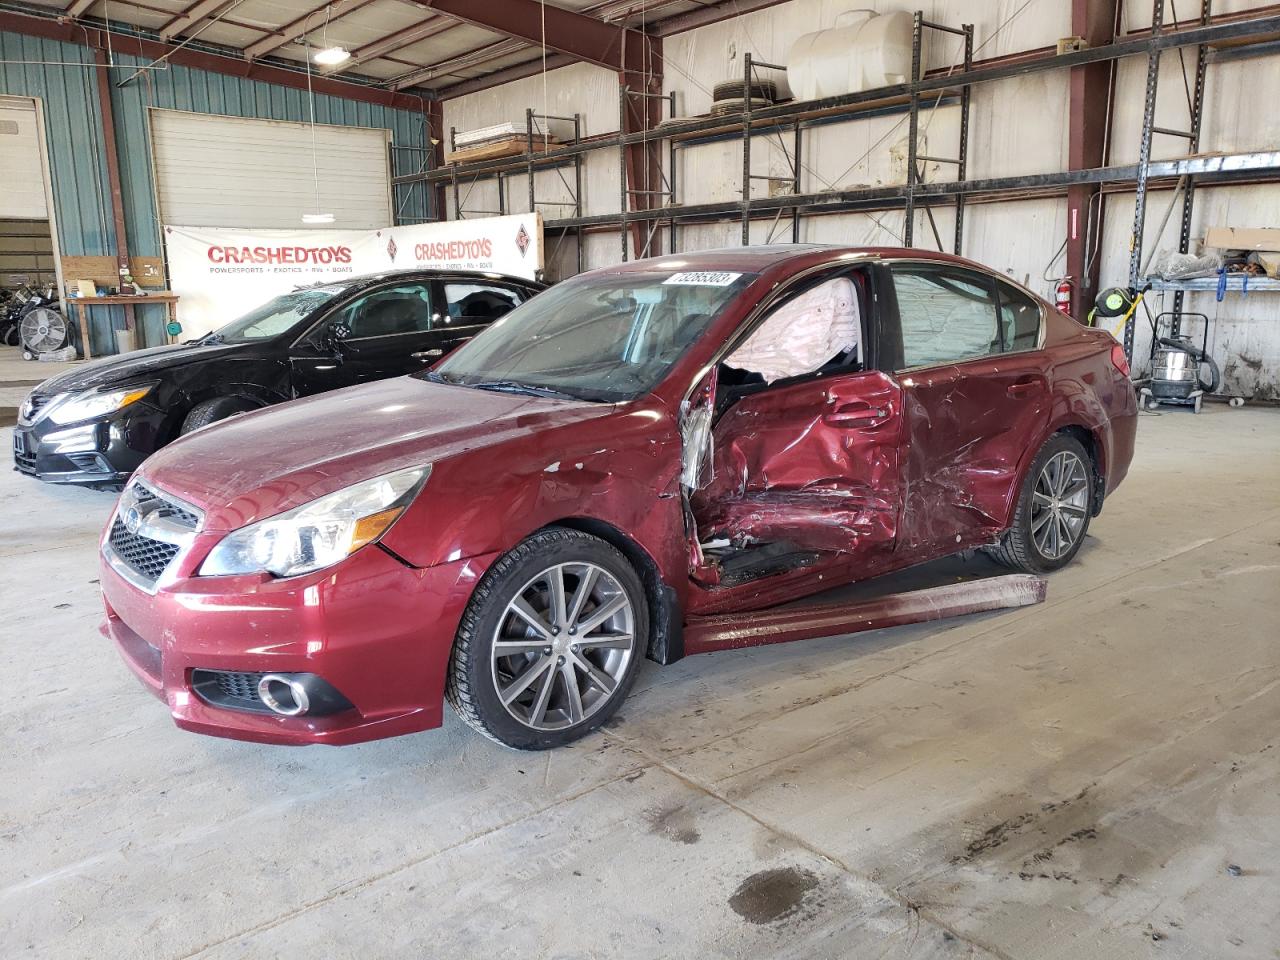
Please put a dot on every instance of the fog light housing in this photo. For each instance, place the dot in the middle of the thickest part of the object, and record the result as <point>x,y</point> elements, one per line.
<point>280,693</point>
<point>283,695</point>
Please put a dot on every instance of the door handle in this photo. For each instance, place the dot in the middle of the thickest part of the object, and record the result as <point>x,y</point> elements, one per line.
<point>1023,387</point>
<point>427,354</point>
<point>857,415</point>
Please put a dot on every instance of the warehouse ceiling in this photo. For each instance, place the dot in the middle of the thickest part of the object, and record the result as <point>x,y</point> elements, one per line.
<point>396,44</point>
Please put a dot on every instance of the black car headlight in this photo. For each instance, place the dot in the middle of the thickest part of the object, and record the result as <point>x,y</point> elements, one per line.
<point>95,403</point>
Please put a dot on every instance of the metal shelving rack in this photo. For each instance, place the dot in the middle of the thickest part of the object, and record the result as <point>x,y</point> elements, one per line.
<point>953,85</point>
<point>1187,183</point>
<point>528,164</point>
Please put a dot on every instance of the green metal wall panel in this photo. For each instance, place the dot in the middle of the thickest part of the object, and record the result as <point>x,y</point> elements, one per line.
<point>62,76</point>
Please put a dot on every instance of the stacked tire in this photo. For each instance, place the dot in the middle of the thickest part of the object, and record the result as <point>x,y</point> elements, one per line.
<point>728,97</point>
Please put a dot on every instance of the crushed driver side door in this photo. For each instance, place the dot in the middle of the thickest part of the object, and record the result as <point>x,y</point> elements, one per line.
<point>813,464</point>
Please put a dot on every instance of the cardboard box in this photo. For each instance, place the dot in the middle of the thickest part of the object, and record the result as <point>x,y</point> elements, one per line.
<point>1270,262</point>
<point>1242,238</point>
<point>87,288</point>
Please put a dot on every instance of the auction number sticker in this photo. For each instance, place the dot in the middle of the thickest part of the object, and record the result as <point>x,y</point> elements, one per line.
<point>702,279</point>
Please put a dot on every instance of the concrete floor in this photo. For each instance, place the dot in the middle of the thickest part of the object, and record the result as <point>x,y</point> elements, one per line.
<point>1098,776</point>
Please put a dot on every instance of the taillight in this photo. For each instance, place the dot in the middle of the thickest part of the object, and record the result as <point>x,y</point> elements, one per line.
<point>1120,361</point>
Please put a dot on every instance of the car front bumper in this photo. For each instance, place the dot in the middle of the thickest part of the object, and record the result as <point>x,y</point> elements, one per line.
<point>106,450</point>
<point>377,631</point>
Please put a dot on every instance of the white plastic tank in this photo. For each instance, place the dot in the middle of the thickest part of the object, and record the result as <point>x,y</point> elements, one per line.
<point>864,50</point>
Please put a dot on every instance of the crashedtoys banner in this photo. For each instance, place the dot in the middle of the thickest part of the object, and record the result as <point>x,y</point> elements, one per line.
<point>221,273</point>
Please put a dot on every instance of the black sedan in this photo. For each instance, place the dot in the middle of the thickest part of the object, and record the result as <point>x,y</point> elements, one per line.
<point>95,424</point>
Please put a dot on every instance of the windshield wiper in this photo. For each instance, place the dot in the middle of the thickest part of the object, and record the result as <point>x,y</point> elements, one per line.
<point>515,386</point>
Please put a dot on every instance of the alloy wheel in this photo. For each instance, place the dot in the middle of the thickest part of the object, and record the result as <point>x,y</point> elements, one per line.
<point>1059,505</point>
<point>563,645</point>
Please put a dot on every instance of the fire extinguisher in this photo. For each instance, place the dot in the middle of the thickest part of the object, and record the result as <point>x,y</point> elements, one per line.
<point>1062,295</point>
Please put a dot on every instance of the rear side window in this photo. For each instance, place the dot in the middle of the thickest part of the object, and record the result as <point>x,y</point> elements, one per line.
<point>476,303</point>
<point>947,314</point>
<point>1019,319</point>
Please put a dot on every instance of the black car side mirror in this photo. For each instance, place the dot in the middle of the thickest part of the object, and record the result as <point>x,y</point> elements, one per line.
<point>334,337</point>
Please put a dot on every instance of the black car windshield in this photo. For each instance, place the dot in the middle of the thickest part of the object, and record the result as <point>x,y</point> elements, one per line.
<point>278,315</point>
<point>609,337</point>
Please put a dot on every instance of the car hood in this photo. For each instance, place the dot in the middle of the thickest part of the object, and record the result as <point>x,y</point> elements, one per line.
<point>136,365</point>
<point>263,463</point>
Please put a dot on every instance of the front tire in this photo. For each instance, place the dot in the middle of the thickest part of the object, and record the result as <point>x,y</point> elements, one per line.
<point>550,642</point>
<point>1055,505</point>
<point>211,411</point>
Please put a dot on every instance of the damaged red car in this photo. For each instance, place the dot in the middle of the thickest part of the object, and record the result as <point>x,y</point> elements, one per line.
<point>627,465</point>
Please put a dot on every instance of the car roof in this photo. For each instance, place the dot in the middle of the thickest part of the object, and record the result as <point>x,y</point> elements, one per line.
<point>761,257</point>
<point>364,280</point>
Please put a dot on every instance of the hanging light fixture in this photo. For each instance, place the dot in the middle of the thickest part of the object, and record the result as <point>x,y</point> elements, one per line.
<point>331,56</point>
<point>316,218</point>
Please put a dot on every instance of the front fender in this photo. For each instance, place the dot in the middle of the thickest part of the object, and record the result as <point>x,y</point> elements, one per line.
<point>622,470</point>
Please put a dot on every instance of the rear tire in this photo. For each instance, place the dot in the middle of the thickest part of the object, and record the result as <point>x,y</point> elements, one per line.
<point>509,675</point>
<point>1055,504</point>
<point>211,411</point>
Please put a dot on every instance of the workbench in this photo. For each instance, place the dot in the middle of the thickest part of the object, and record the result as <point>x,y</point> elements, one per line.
<point>128,301</point>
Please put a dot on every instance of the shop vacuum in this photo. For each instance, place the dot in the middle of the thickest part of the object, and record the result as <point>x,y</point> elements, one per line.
<point>1181,372</point>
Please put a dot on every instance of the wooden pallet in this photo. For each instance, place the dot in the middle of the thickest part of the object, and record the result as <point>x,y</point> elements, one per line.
<point>511,146</point>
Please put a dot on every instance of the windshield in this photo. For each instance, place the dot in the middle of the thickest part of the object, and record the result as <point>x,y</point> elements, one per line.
<point>276,316</point>
<point>605,337</point>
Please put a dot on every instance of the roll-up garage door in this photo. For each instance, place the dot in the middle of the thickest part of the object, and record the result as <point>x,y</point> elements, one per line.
<point>22,195</point>
<point>214,171</point>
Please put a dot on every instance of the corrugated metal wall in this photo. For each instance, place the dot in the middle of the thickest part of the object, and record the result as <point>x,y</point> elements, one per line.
<point>73,125</point>
<point>62,77</point>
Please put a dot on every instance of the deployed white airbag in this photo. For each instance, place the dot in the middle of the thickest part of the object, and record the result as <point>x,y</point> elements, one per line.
<point>803,334</point>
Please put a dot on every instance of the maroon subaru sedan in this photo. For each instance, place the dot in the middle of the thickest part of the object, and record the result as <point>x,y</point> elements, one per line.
<point>618,468</point>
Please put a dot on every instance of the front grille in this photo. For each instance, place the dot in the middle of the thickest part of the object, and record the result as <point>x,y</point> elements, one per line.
<point>147,499</point>
<point>146,557</point>
<point>161,528</point>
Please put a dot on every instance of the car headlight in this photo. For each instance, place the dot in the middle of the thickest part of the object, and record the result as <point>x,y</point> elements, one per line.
<point>86,406</point>
<point>320,533</point>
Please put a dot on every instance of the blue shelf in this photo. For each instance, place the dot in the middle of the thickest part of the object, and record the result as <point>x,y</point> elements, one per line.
<point>1235,284</point>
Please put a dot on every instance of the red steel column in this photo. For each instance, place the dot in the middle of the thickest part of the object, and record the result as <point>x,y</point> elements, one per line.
<point>1091,88</point>
<point>113,171</point>
<point>643,160</point>
<point>438,208</point>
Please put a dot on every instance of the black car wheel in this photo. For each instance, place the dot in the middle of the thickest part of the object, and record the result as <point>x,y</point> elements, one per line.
<point>211,411</point>
<point>1054,508</point>
<point>550,642</point>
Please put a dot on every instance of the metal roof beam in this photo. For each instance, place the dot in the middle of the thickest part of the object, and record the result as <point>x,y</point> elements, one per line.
<point>190,16</point>
<point>516,71</point>
<point>573,34</point>
<point>296,28</point>
<point>176,55</point>
<point>711,13</point>
<point>401,38</point>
